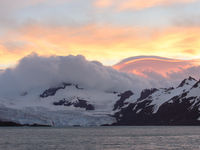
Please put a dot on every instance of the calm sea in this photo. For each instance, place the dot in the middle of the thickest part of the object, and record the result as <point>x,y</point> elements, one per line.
<point>100,138</point>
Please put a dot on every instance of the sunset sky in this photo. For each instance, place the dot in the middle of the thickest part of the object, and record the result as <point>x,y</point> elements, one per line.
<point>103,30</point>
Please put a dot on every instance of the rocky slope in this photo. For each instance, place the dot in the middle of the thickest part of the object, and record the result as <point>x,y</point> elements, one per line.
<point>172,106</point>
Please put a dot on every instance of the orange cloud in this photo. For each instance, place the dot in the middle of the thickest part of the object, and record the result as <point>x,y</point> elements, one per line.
<point>103,3</point>
<point>190,51</point>
<point>107,43</point>
<point>137,4</point>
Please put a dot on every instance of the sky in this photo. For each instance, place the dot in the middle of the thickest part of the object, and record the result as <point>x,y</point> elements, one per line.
<point>103,30</point>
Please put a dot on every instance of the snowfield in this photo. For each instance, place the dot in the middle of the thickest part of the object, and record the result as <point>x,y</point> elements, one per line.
<point>32,109</point>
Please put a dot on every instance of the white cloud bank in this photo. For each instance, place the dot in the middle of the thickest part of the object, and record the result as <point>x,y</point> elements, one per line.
<point>35,71</point>
<point>39,73</point>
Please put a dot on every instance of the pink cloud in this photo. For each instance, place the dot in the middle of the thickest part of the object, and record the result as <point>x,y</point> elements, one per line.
<point>159,68</point>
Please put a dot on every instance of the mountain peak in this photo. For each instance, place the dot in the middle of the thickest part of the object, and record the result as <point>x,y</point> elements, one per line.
<point>188,81</point>
<point>191,78</point>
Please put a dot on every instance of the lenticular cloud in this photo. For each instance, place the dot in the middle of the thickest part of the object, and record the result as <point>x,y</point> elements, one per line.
<point>33,72</point>
<point>160,69</point>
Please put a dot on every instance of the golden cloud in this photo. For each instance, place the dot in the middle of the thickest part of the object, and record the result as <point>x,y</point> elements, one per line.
<point>137,4</point>
<point>107,43</point>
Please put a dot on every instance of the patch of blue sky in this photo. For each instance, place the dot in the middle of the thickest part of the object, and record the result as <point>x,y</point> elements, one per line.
<point>148,17</point>
<point>69,13</point>
<point>79,12</point>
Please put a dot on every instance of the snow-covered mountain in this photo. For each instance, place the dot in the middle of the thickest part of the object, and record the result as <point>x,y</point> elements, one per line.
<point>71,105</point>
<point>64,105</point>
<point>165,106</point>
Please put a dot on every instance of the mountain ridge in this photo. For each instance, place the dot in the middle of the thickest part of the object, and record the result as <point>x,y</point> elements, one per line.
<point>178,107</point>
<point>70,105</point>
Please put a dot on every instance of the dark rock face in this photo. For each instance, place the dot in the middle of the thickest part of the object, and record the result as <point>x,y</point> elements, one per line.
<point>185,81</point>
<point>9,123</point>
<point>122,99</point>
<point>78,87</point>
<point>196,85</point>
<point>135,114</point>
<point>145,93</point>
<point>175,112</point>
<point>90,107</point>
<point>79,103</point>
<point>52,91</point>
<point>178,110</point>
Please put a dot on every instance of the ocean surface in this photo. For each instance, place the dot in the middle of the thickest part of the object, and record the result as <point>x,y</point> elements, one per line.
<point>100,138</point>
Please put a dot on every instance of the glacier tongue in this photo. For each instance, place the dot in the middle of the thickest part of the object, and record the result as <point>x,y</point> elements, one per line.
<point>31,109</point>
<point>41,116</point>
